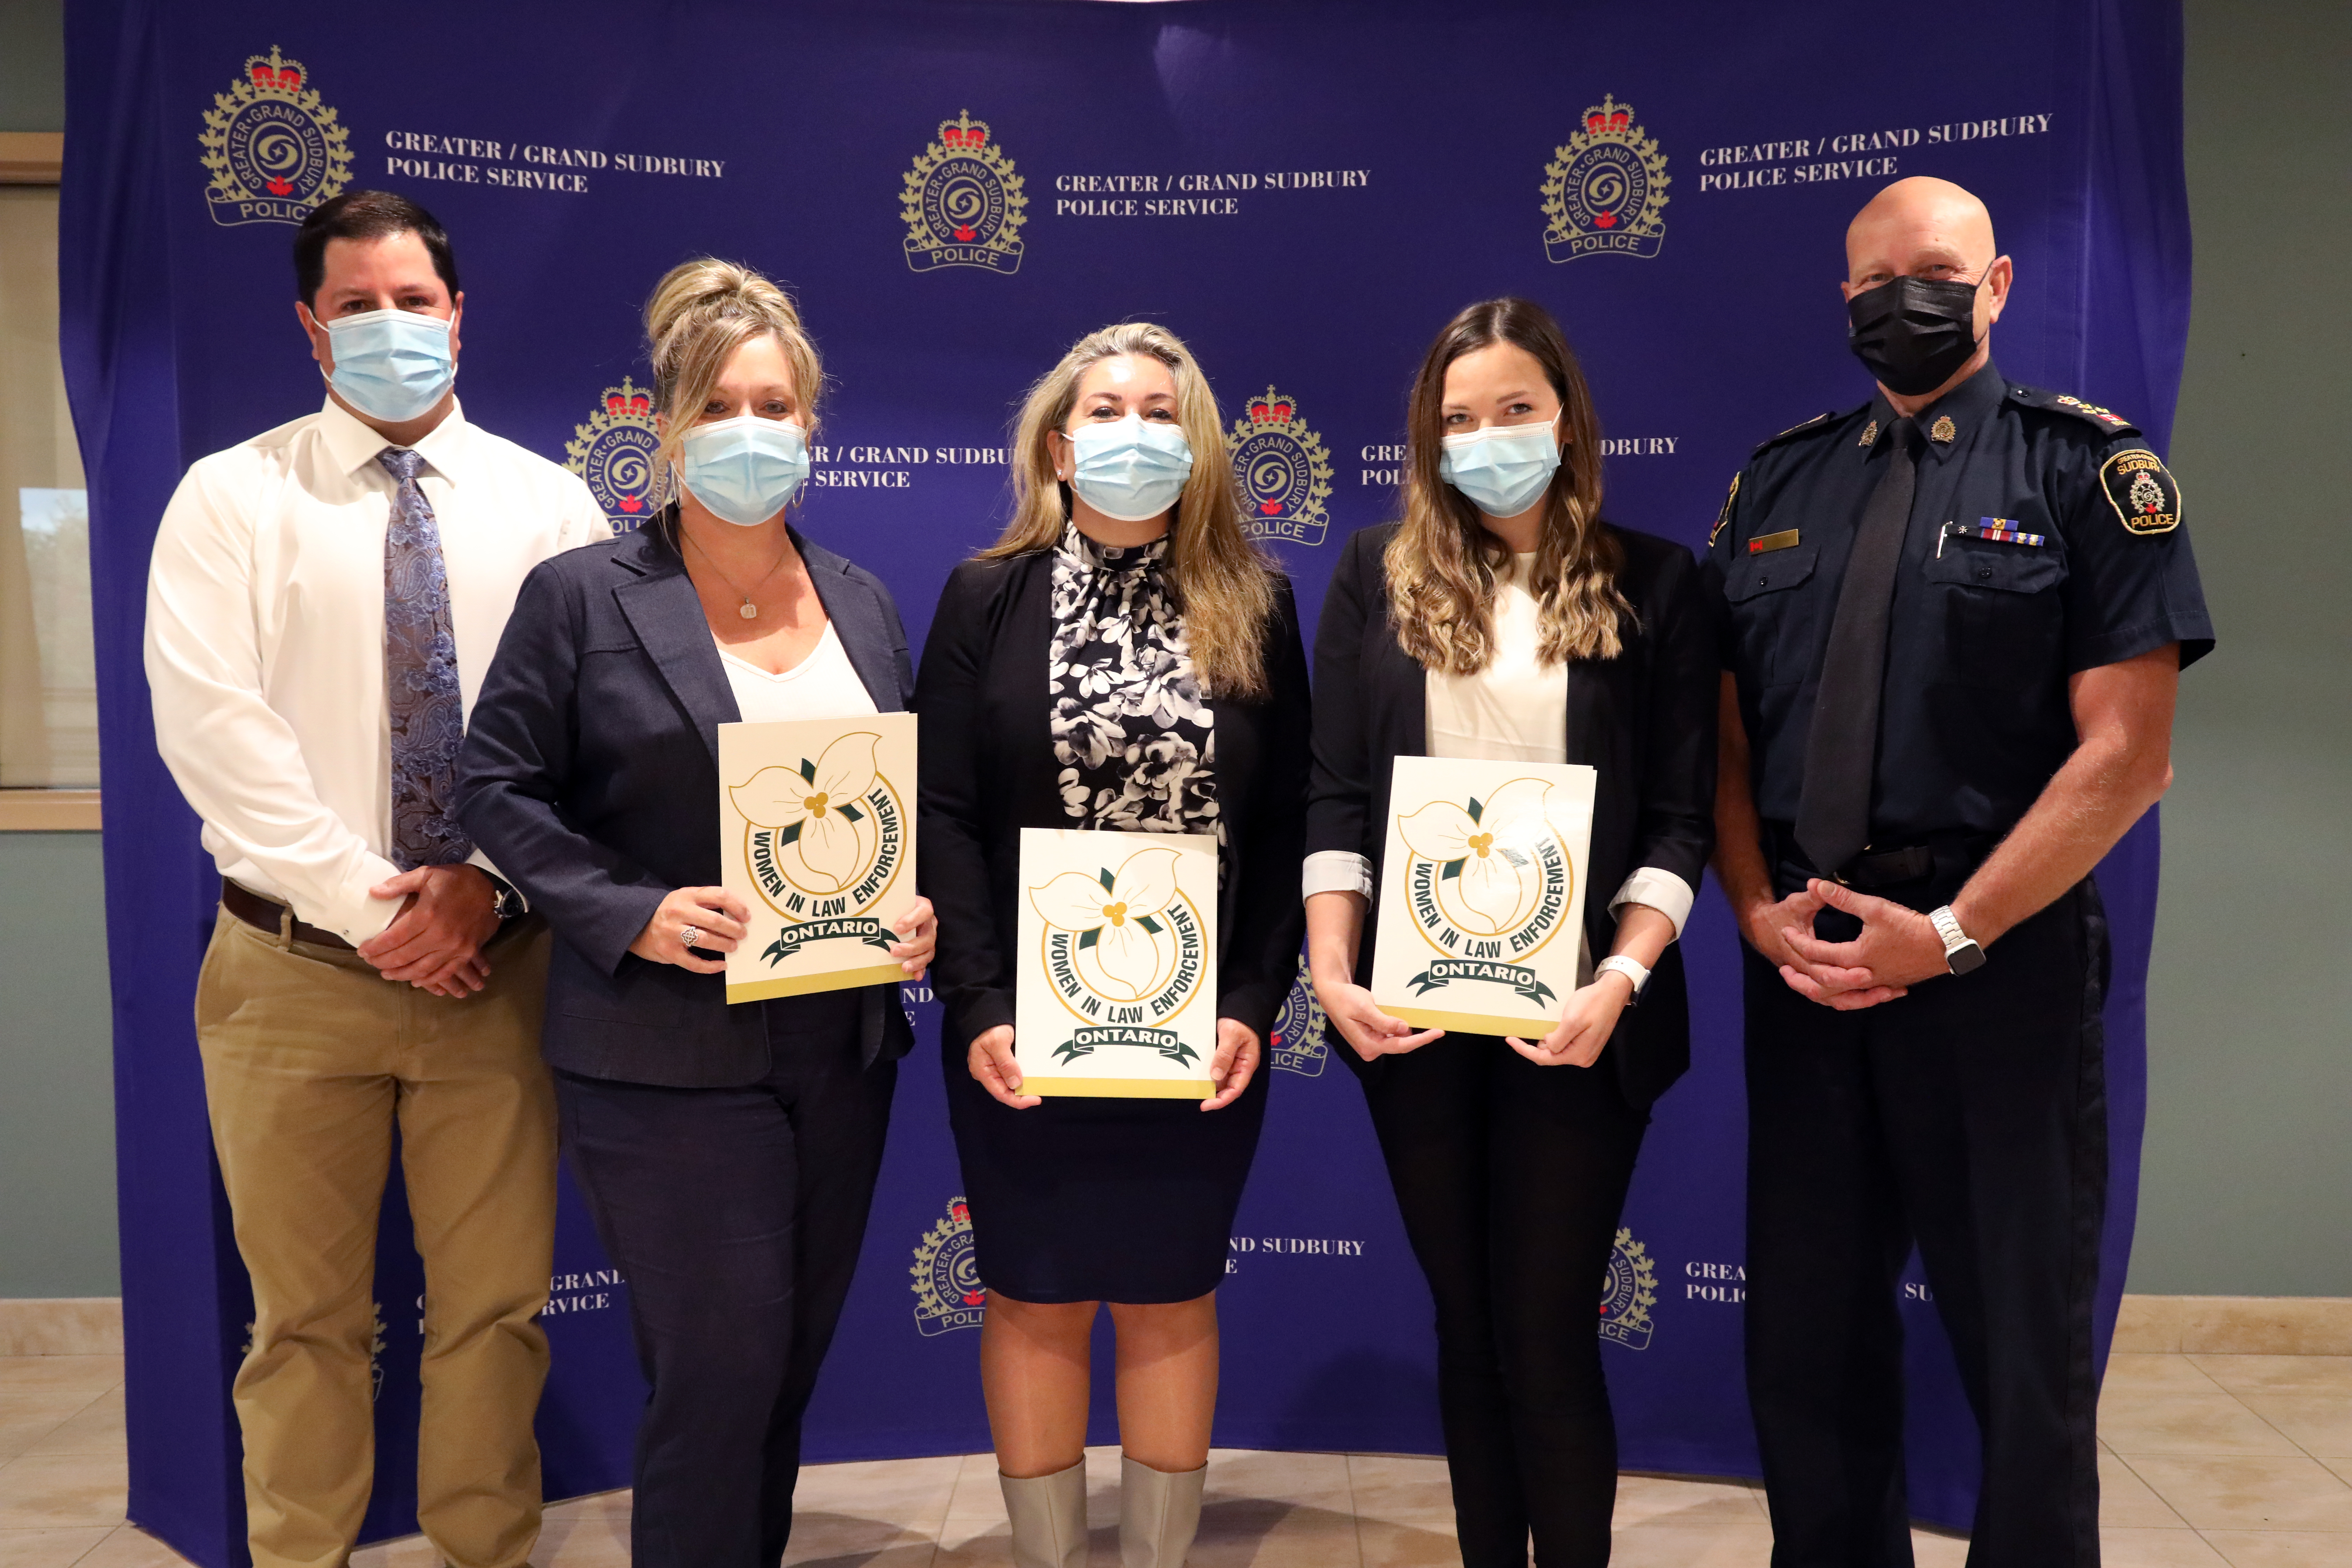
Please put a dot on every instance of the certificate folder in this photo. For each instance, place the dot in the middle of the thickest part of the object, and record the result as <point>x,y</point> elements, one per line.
<point>1482,893</point>
<point>816,834</point>
<point>1116,990</point>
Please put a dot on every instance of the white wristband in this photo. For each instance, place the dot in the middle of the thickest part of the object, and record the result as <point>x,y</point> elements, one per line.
<point>1630,968</point>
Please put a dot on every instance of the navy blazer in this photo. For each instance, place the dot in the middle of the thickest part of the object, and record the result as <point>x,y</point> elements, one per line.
<point>1644,722</point>
<point>590,774</point>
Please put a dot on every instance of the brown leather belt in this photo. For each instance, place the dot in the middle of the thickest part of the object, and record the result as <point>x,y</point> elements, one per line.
<point>265,914</point>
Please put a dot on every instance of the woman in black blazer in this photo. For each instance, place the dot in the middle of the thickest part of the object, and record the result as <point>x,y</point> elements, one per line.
<point>1501,606</point>
<point>729,1154</point>
<point>1124,659</point>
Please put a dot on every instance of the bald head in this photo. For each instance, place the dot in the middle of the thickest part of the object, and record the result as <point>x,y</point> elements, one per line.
<point>1933,231</point>
<point>1916,224</point>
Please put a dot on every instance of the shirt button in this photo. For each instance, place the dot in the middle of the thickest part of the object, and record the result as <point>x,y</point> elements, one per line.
<point>1984,573</point>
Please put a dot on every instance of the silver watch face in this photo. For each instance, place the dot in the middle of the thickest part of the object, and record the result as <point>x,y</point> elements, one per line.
<point>1965,957</point>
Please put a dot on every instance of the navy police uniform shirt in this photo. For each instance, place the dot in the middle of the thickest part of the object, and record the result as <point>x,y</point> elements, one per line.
<point>2044,538</point>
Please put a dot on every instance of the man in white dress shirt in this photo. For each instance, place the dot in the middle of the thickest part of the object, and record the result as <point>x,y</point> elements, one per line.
<point>323,602</point>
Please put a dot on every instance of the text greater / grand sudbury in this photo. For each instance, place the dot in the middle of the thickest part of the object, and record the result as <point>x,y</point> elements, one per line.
<point>526,165</point>
<point>1847,154</point>
<point>1188,196</point>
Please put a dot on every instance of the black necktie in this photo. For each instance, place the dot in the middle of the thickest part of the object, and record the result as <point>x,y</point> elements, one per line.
<point>1841,747</point>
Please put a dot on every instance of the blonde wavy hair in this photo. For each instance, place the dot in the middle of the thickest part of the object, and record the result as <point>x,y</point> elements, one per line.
<point>1222,582</point>
<point>1441,562</point>
<point>696,317</point>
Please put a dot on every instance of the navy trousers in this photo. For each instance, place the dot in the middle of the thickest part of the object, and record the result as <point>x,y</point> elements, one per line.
<point>1969,1116</point>
<point>736,1216</point>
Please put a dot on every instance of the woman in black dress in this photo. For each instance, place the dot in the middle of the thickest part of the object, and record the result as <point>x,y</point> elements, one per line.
<point>1122,659</point>
<point>1503,619</point>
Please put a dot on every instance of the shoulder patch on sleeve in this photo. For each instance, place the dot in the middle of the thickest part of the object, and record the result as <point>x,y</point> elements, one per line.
<point>2146,496</point>
<point>1817,421</point>
<point>2104,420</point>
<point>1723,516</point>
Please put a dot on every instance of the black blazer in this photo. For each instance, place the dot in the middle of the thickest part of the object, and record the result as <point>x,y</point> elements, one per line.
<point>591,775</point>
<point>1644,719</point>
<point>989,772</point>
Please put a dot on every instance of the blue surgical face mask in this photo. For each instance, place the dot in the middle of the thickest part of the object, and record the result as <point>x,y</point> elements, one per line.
<point>745,468</point>
<point>1129,471</point>
<point>1503,469</point>
<point>391,365</point>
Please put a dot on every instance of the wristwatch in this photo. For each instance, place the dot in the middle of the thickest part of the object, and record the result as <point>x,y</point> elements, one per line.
<point>509,903</point>
<point>1631,968</point>
<point>1960,949</point>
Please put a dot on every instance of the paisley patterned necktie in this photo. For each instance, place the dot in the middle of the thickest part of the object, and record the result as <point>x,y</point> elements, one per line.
<point>420,678</point>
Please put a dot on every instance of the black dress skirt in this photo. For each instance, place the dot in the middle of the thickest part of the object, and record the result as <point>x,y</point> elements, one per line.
<point>1058,691</point>
<point>1101,1200</point>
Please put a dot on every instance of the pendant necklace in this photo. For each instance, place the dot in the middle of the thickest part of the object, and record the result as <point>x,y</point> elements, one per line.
<point>747,610</point>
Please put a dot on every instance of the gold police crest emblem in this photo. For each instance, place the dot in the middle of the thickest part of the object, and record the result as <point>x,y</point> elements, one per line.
<point>1284,470</point>
<point>273,149</point>
<point>962,202</point>
<point>1605,189</point>
<point>614,453</point>
<point>1627,1290</point>
<point>1300,1030</point>
<point>2146,496</point>
<point>948,1291</point>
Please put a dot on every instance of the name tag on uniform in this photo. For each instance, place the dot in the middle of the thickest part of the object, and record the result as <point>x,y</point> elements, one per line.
<point>1999,530</point>
<point>1784,540</point>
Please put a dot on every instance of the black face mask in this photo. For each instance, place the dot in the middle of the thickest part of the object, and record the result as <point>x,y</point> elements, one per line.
<point>1913,333</point>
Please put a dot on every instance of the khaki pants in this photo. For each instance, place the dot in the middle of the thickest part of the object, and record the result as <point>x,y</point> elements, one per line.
<point>310,1058</point>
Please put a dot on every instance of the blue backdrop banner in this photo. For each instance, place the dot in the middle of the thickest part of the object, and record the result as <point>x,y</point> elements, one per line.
<point>955,192</point>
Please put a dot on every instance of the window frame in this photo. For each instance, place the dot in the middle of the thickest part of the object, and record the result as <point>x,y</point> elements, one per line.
<point>37,158</point>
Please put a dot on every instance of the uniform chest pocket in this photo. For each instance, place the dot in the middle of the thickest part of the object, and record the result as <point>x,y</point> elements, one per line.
<point>2004,568</point>
<point>2003,620</point>
<point>1774,622</point>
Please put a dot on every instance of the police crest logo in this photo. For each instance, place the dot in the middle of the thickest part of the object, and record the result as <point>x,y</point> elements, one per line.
<point>948,1291</point>
<point>2146,496</point>
<point>1627,1290</point>
<point>1300,1031</point>
<point>962,202</point>
<point>614,453</point>
<point>1284,470</point>
<point>273,149</point>
<point>1604,192</point>
<point>1124,948</point>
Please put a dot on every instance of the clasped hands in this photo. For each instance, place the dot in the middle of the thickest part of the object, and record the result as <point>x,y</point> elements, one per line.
<point>1897,949</point>
<point>434,942</point>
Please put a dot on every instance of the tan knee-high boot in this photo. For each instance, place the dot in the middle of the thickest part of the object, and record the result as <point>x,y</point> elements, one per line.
<point>1158,1513</point>
<point>1049,1517</point>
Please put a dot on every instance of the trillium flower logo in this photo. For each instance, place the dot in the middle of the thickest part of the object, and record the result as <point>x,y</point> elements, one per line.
<point>1117,918</point>
<point>1486,854</point>
<point>814,811</point>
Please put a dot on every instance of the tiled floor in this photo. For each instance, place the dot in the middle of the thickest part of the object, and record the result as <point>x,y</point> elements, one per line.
<point>2241,1460</point>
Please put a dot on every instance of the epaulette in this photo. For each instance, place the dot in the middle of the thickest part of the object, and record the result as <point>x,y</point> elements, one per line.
<point>2107,420</point>
<point>1817,422</point>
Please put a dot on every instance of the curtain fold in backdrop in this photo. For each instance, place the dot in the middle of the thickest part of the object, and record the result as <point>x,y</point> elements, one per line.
<point>955,192</point>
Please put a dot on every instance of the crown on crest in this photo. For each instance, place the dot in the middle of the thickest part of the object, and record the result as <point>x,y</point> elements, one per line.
<point>628,400</point>
<point>276,74</point>
<point>1273,409</point>
<point>1608,117</point>
<point>964,133</point>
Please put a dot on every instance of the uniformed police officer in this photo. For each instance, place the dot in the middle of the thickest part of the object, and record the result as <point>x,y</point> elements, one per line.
<point>1957,617</point>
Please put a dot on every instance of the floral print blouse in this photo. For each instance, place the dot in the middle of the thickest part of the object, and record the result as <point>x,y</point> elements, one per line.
<point>1136,742</point>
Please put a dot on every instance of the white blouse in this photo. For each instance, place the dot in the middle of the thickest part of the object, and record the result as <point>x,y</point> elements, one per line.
<point>825,685</point>
<point>1514,709</point>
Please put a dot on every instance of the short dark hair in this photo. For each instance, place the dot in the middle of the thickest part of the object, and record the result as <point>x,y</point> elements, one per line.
<point>366,214</point>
